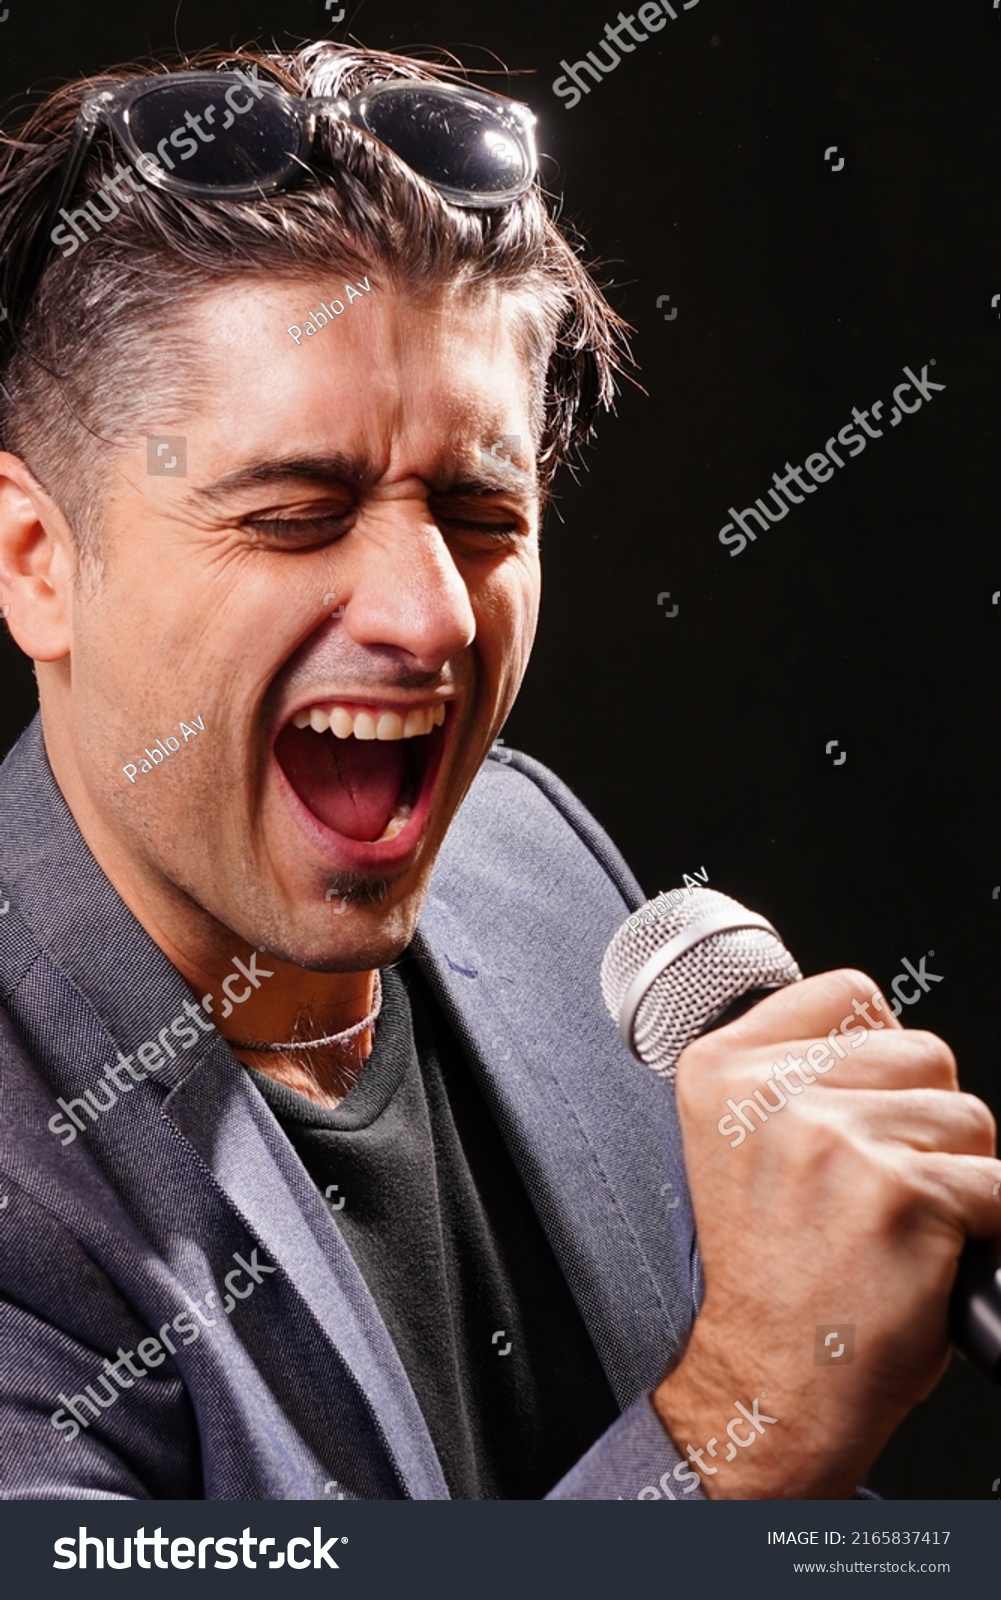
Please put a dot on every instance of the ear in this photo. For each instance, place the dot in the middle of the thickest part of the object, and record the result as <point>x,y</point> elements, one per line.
<point>37,564</point>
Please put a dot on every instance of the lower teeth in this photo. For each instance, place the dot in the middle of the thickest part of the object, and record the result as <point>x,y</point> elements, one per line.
<point>397,822</point>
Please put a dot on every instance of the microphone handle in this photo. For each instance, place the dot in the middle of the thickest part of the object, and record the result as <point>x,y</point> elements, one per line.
<point>975,1306</point>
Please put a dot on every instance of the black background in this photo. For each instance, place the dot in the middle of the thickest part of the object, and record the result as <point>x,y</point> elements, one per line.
<point>696,170</point>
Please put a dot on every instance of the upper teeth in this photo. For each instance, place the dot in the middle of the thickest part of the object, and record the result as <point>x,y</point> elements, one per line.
<point>344,723</point>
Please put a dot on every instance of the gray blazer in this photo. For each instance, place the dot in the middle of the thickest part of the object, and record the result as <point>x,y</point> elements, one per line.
<point>179,1227</point>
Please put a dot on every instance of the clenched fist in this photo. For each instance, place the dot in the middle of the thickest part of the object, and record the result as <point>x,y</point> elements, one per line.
<point>836,1171</point>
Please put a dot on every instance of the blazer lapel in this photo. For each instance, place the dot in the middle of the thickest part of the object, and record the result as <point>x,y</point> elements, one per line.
<point>218,1111</point>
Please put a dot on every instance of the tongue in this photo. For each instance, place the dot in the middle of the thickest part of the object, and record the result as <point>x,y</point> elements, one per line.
<point>352,785</point>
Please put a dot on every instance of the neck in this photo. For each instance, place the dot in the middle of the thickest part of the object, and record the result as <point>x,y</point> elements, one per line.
<point>326,1073</point>
<point>324,1076</point>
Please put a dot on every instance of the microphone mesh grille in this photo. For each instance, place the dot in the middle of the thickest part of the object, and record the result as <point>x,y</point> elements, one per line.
<point>692,991</point>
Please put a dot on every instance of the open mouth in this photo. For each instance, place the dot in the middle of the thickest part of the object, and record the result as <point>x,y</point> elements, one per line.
<point>363,772</point>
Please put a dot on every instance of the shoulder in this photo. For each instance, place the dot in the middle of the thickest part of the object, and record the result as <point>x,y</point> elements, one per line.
<point>519,820</point>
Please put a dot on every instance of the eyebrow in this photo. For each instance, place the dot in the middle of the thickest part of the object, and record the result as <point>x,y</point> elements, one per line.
<point>325,470</point>
<point>491,481</point>
<point>318,470</point>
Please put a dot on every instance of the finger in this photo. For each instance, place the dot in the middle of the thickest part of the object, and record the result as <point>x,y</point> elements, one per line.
<point>901,1058</point>
<point>814,1006</point>
<point>926,1120</point>
<point>962,1187</point>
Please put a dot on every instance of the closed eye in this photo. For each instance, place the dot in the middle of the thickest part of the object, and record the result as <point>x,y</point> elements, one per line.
<point>300,532</point>
<point>483,525</point>
<point>484,515</point>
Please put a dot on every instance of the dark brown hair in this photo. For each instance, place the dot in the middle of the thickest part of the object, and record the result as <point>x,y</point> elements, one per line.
<point>104,338</point>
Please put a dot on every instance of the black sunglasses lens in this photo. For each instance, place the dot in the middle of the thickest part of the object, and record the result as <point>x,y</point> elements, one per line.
<point>223,133</point>
<point>454,142</point>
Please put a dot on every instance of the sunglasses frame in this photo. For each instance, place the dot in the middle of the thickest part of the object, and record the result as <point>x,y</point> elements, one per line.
<point>114,107</point>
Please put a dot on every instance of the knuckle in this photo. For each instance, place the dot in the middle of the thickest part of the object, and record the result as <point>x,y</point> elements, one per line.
<point>931,1055</point>
<point>843,1175</point>
<point>696,1063</point>
<point>691,1081</point>
<point>982,1119</point>
<point>889,1189</point>
<point>693,1057</point>
<point>852,983</point>
<point>819,1141</point>
<point>818,1147</point>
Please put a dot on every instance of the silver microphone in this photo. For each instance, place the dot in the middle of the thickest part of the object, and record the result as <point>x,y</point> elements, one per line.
<point>674,971</point>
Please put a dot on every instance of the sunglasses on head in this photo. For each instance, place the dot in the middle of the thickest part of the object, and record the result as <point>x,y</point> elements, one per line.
<point>232,135</point>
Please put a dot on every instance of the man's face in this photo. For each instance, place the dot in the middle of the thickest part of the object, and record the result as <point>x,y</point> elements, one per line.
<point>350,473</point>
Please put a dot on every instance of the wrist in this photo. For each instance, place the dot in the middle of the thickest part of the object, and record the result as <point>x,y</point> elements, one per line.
<point>742,1437</point>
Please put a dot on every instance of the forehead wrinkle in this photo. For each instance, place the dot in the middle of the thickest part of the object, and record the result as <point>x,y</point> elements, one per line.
<point>465,394</point>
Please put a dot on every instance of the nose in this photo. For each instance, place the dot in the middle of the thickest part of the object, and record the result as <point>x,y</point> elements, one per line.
<point>407,593</point>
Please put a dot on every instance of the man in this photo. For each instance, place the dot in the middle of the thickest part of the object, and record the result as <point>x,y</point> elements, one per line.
<point>325,1173</point>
